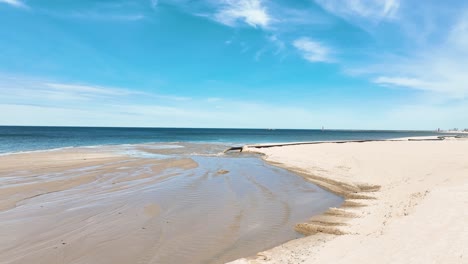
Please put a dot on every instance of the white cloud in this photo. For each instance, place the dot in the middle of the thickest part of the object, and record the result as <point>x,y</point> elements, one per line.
<point>252,12</point>
<point>404,81</point>
<point>313,51</point>
<point>266,14</point>
<point>292,17</point>
<point>443,75</point>
<point>437,69</point>
<point>375,10</point>
<point>231,114</point>
<point>86,89</point>
<point>38,102</point>
<point>15,3</point>
<point>20,89</point>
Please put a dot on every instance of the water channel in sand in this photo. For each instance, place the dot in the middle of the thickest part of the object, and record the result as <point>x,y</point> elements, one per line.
<point>160,204</point>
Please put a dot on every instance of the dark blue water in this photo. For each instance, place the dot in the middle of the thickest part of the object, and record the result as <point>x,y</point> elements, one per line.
<point>17,138</point>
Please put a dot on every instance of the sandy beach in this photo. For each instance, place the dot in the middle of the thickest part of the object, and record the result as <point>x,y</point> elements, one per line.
<point>406,202</point>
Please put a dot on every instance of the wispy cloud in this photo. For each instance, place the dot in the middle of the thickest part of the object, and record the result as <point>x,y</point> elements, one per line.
<point>27,101</point>
<point>405,82</point>
<point>421,83</point>
<point>21,89</point>
<point>372,10</point>
<point>87,90</point>
<point>313,51</point>
<point>265,14</point>
<point>280,45</point>
<point>15,3</point>
<point>438,69</point>
<point>442,75</point>
<point>251,12</point>
<point>37,102</point>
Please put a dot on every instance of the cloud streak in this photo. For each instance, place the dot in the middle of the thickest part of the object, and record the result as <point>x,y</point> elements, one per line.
<point>19,89</point>
<point>313,51</point>
<point>375,10</point>
<point>437,69</point>
<point>40,102</point>
<point>251,12</point>
<point>15,3</point>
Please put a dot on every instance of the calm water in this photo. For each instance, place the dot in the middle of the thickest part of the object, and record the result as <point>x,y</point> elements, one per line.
<point>14,139</point>
<point>134,211</point>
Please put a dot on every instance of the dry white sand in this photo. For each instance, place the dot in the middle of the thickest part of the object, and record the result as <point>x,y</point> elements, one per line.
<point>407,202</point>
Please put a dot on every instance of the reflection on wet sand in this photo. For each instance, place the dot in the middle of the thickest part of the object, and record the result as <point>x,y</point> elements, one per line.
<point>123,205</point>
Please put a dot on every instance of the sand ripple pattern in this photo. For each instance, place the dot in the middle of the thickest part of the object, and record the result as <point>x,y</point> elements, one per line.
<point>140,210</point>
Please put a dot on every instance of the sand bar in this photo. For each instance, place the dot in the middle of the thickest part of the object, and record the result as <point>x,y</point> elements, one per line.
<point>407,202</point>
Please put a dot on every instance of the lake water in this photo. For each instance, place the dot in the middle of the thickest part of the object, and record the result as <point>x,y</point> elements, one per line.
<point>17,138</point>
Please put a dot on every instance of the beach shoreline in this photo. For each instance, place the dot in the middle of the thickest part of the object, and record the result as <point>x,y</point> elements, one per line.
<point>378,209</point>
<point>375,210</point>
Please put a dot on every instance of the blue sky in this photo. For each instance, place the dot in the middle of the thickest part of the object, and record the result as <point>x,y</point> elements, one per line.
<point>360,64</point>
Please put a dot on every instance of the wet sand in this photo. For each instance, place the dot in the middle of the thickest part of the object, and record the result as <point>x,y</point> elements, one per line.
<point>148,204</point>
<point>406,202</point>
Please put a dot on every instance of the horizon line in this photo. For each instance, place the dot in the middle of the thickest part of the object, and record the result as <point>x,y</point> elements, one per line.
<point>239,128</point>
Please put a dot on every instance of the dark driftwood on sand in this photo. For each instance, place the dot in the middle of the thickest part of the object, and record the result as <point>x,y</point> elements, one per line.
<point>321,142</point>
